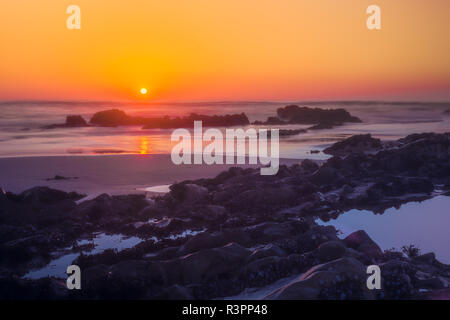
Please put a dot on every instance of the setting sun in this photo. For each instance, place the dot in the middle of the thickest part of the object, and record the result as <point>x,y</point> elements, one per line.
<point>143,91</point>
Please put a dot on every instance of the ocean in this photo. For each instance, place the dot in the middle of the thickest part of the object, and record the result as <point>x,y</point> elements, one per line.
<point>21,133</point>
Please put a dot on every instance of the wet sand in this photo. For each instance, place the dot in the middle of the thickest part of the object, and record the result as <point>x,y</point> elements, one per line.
<point>113,174</point>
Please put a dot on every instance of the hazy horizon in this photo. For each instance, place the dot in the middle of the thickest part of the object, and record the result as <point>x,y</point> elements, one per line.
<point>256,101</point>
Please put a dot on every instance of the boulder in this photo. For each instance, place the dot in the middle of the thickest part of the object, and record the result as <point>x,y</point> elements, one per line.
<point>261,198</point>
<point>75,121</point>
<point>200,266</point>
<point>309,165</point>
<point>331,250</point>
<point>106,206</point>
<point>112,118</point>
<point>267,251</point>
<point>207,240</point>
<point>309,285</point>
<point>269,231</point>
<point>189,193</point>
<point>348,267</point>
<point>305,115</point>
<point>360,241</point>
<point>46,195</point>
<point>208,212</point>
<point>115,117</point>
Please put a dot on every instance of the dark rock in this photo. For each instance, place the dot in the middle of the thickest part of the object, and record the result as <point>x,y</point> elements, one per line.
<point>431,283</point>
<point>207,264</point>
<point>138,270</point>
<point>427,258</point>
<point>115,117</point>
<point>41,289</point>
<point>208,240</point>
<point>305,115</point>
<point>270,121</point>
<point>309,285</point>
<point>360,241</point>
<point>287,132</point>
<point>396,279</point>
<point>175,292</point>
<point>309,165</point>
<point>189,194</point>
<point>91,274</point>
<point>208,213</point>
<point>266,251</point>
<point>73,121</point>
<point>442,294</point>
<point>331,250</point>
<point>355,144</point>
<point>46,195</point>
<point>261,198</point>
<point>294,114</point>
<point>107,209</point>
<point>325,174</point>
<point>325,125</point>
<point>58,178</point>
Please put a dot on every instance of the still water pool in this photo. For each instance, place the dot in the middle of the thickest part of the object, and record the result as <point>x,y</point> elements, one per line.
<point>425,224</point>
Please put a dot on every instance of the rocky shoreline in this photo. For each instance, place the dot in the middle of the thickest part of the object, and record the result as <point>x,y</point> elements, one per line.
<point>253,230</point>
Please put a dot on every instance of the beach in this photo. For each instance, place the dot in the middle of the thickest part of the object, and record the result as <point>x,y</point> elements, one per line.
<point>93,175</point>
<point>110,200</point>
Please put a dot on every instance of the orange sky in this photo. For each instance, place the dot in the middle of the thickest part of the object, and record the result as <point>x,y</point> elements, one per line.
<point>225,50</point>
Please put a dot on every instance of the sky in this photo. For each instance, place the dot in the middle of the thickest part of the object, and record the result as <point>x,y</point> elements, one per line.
<point>225,50</point>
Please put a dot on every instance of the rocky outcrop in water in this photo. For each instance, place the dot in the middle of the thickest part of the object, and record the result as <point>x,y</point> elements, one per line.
<point>71,122</point>
<point>115,117</point>
<point>321,118</point>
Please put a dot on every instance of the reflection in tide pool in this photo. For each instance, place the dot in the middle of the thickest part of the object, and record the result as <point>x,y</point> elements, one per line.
<point>158,189</point>
<point>425,224</point>
<point>102,242</point>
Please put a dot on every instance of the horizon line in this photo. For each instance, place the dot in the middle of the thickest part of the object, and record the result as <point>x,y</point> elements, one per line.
<point>318,101</point>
